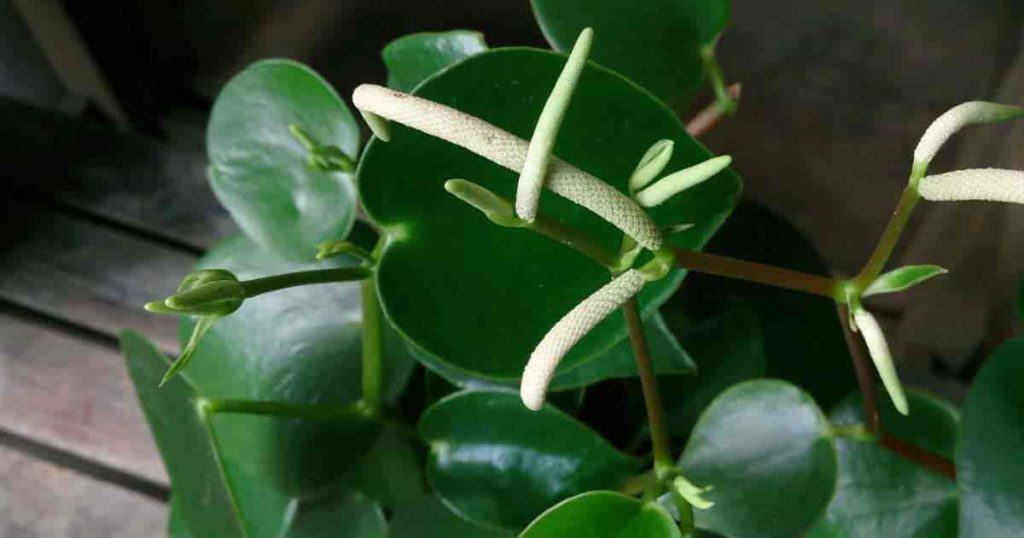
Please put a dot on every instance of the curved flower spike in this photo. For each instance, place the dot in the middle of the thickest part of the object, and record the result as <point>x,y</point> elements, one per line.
<point>991,184</point>
<point>651,164</point>
<point>677,182</point>
<point>509,151</point>
<point>569,330</point>
<point>692,493</point>
<point>531,180</point>
<point>953,120</point>
<point>881,356</point>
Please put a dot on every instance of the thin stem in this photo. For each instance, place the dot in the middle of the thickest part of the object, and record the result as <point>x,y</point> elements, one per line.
<point>880,256</point>
<point>574,239</point>
<point>929,460</point>
<point>373,347</point>
<point>757,272</point>
<point>655,415</point>
<point>713,71</point>
<point>329,413</point>
<point>259,286</point>
<point>710,115</point>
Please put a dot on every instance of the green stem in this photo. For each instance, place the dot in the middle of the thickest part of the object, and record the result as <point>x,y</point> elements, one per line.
<point>758,272</point>
<point>724,102</point>
<point>373,347</point>
<point>663,463</point>
<point>329,413</point>
<point>574,239</point>
<point>891,235</point>
<point>259,286</point>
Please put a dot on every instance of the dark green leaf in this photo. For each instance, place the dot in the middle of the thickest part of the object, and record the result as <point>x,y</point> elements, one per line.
<point>903,278</point>
<point>390,473</point>
<point>765,449</point>
<point>728,348</point>
<point>882,494</point>
<point>411,59</point>
<point>654,42</point>
<point>429,518</point>
<point>499,464</point>
<point>260,171</point>
<point>802,337</point>
<point>603,514</point>
<point>342,515</point>
<point>299,345</point>
<point>990,470</point>
<point>479,297</point>
<point>213,498</point>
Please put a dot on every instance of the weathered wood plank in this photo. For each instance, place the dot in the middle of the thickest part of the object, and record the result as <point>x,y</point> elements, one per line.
<point>74,395</point>
<point>136,181</point>
<point>39,499</point>
<point>87,274</point>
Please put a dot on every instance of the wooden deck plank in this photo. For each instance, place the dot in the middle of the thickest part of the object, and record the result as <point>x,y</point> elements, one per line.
<point>74,395</point>
<point>130,179</point>
<point>87,274</point>
<point>42,500</point>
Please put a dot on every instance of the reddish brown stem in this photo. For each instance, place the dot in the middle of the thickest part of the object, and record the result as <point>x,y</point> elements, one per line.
<point>710,115</point>
<point>714,264</point>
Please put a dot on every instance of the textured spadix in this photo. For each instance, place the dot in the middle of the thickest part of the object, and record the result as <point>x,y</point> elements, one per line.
<point>878,348</point>
<point>992,184</point>
<point>569,330</point>
<point>678,182</point>
<point>954,119</point>
<point>531,180</point>
<point>509,151</point>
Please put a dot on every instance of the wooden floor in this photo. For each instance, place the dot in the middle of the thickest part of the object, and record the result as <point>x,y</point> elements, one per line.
<point>96,222</point>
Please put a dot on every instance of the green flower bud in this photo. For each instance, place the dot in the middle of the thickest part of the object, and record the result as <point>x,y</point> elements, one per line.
<point>215,292</point>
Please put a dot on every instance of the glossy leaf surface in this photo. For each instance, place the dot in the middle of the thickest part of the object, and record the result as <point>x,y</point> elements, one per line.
<point>411,59</point>
<point>299,345</point>
<point>479,297</point>
<point>603,514</point>
<point>764,448</point>
<point>499,464</point>
<point>882,494</point>
<point>990,470</point>
<point>654,42</point>
<point>260,171</point>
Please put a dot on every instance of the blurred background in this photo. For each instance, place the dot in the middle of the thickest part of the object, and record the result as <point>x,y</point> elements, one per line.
<point>105,202</point>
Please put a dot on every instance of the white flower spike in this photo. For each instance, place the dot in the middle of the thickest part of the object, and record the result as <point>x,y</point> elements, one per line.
<point>677,182</point>
<point>509,151</point>
<point>531,179</point>
<point>569,330</point>
<point>992,184</point>
<point>953,120</point>
<point>651,164</point>
<point>881,356</point>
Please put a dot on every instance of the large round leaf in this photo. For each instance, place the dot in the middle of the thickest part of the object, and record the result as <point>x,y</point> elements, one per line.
<point>477,296</point>
<point>412,58</point>
<point>603,514</point>
<point>654,42</point>
<point>260,172</point>
<point>882,494</point>
<point>498,464</point>
<point>299,345</point>
<point>988,458</point>
<point>429,518</point>
<point>766,450</point>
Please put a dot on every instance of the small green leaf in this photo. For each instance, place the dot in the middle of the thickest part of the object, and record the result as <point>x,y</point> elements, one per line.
<point>882,494</point>
<point>390,473</point>
<point>299,345</point>
<point>603,514</point>
<point>657,43</point>
<point>340,515</point>
<point>990,472</point>
<point>461,288</point>
<point>903,278</point>
<point>500,465</point>
<point>262,173</point>
<point>764,449</point>
<point>412,58</point>
<point>429,518</point>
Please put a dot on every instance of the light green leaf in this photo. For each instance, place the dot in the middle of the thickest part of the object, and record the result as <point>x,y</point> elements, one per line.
<point>903,278</point>
<point>261,172</point>
<point>603,514</point>
<point>412,58</point>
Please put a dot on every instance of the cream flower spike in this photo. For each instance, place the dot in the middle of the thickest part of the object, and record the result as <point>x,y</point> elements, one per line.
<point>881,356</point>
<point>509,151</point>
<point>953,120</point>
<point>992,184</point>
<point>677,182</point>
<point>531,180</point>
<point>569,330</point>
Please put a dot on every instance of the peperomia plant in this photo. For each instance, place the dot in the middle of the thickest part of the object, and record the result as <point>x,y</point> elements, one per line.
<point>528,217</point>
